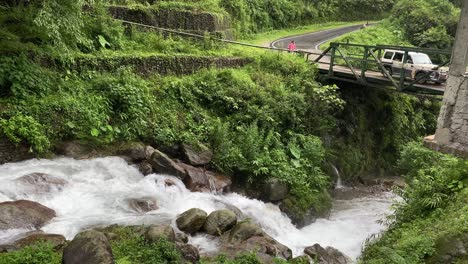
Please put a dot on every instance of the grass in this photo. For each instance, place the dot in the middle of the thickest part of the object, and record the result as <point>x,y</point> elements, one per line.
<point>383,33</point>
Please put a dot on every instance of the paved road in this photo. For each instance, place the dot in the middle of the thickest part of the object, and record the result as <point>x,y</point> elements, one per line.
<point>312,41</point>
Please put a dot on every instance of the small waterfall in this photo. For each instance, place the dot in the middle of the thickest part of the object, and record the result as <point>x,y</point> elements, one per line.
<point>339,184</point>
<point>98,190</point>
<point>212,183</point>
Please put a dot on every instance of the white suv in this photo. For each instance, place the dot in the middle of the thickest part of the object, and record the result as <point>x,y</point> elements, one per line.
<point>417,66</point>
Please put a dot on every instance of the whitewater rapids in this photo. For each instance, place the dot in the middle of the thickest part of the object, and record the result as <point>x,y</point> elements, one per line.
<point>97,192</point>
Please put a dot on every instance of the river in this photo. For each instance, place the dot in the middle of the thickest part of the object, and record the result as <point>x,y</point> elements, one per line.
<point>97,193</point>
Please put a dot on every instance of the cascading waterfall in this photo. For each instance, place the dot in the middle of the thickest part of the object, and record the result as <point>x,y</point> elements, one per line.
<point>339,183</point>
<point>97,193</point>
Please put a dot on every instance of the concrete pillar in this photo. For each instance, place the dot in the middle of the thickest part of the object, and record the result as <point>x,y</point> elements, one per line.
<point>460,48</point>
<point>452,126</point>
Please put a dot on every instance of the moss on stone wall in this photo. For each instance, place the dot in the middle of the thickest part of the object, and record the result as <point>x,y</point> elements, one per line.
<point>160,64</point>
<point>173,19</point>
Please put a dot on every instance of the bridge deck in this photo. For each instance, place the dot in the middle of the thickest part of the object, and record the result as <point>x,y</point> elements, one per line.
<point>376,79</point>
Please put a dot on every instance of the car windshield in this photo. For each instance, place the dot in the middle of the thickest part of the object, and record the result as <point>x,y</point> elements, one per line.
<point>421,58</point>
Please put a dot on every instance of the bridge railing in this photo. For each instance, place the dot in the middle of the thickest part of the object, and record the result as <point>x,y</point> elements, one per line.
<point>361,59</point>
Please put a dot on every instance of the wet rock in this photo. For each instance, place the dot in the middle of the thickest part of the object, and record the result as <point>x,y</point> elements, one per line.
<point>243,231</point>
<point>56,240</point>
<point>327,255</point>
<point>156,232</point>
<point>41,182</point>
<point>222,183</point>
<point>109,231</point>
<point>274,190</point>
<point>149,150</point>
<point>234,209</point>
<point>161,163</point>
<point>191,221</point>
<point>181,238</point>
<point>197,155</point>
<point>196,180</point>
<point>264,246</point>
<point>90,247</point>
<point>219,222</point>
<point>200,180</point>
<point>298,217</point>
<point>73,149</point>
<point>7,248</point>
<point>169,182</point>
<point>143,205</point>
<point>145,168</point>
<point>267,245</point>
<point>24,214</point>
<point>133,150</point>
<point>189,252</point>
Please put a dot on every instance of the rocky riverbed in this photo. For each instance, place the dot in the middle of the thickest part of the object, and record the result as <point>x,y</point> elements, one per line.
<point>61,198</point>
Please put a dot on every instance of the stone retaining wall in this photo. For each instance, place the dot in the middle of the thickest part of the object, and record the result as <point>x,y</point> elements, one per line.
<point>145,66</point>
<point>188,21</point>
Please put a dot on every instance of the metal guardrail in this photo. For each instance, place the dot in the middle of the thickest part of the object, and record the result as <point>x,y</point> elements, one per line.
<point>371,56</point>
<point>192,35</point>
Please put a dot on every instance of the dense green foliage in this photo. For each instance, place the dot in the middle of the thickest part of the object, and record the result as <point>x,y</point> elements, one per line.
<point>40,253</point>
<point>426,23</point>
<point>432,213</point>
<point>376,125</point>
<point>253,16</point>
<point>131,248</point>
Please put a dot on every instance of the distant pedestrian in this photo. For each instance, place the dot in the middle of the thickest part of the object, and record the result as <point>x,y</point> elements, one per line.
<point>292,46</point>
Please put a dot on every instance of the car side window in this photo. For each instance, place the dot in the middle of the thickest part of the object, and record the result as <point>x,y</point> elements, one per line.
<point>388,55</point>
<point>398,57</point>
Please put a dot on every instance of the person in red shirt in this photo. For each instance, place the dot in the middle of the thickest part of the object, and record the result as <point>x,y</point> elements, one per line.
<point>292,46</point>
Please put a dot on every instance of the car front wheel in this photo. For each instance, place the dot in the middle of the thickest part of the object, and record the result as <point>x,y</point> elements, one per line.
<point>421,78</point>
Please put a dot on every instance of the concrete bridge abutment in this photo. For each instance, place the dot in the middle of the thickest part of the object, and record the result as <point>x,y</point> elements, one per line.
<point>452,125</point>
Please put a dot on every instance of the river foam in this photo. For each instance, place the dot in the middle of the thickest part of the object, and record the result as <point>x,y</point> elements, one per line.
<point>97,192</point>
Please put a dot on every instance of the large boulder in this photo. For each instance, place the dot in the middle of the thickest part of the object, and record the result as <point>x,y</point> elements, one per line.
<point>243,231</point>
<point>222,183</point>
<point>24,214</point>
<point>161,163</point>
<point>197,155</point>
<point>156,232</point>
<point>219,222</point>
<point>327,255</point>
<point>41,182</point>
<point>264,246</point>
<point>196,179</point>
<point>191,221</point>
<point>200,180</point>
<point>145,168</point>
<point>135,151</point>
<point>90,247</point>
<point>143,205</point>
<point>274,190</point>
<point>298,216</point>
<point>74,149</point>
<point>56,240</point>
<point>181,237</point>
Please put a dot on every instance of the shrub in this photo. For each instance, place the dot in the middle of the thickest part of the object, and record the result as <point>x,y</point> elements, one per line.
<point>25,128</point>
<point>40,253</point>
<point>129,247</point>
